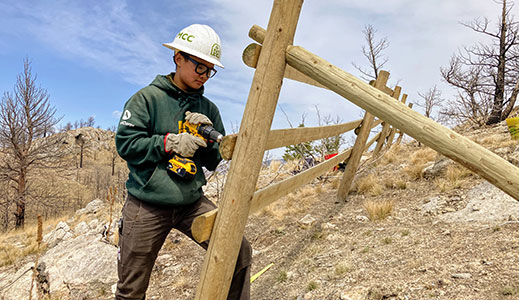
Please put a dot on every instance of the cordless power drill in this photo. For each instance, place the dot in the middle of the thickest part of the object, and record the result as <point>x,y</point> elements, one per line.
<point>184,167</point>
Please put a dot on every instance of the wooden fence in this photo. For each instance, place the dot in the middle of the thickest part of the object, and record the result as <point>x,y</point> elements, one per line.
<point>275,59</point>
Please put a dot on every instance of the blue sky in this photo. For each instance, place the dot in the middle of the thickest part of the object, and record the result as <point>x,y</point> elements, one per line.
<point>92,56</point>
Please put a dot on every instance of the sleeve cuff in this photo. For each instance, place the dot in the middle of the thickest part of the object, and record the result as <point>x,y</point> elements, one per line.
<point>165,139</point>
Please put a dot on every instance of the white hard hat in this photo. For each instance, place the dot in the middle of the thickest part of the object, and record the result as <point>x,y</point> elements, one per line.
<point>200,41</point>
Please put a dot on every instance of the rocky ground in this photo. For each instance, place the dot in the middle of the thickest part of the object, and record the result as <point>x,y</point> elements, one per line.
<point>450,236</point>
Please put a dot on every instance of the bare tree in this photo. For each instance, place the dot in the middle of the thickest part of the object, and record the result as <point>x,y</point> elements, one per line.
<point>90,122</point>
<point>80,141</point>
<point>431,100</point>
<point>25,116</point>
<point>373,53</point>
<point>473,100</point>
<point>66,127</point>
<point>496,65</point>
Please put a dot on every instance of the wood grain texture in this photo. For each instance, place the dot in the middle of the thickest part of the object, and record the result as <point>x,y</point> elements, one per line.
<point>226,238</point>
<point>386,128</point>
<point>393,131</point>
<point>360,145</point>
<point>250,58</point>
<point>484,162</point>
<point>291,136</point>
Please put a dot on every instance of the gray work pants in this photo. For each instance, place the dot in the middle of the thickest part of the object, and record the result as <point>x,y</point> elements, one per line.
<point>144,229</point>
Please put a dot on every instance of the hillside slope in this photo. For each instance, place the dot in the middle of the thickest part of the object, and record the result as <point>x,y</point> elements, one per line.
<point>450,235</point>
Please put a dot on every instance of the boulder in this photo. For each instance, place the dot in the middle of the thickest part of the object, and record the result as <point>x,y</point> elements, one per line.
<point>61,233</point>
<point>91,208</point>
<point>76,267</point>
<point>487,204</point>
<point>437,169</point>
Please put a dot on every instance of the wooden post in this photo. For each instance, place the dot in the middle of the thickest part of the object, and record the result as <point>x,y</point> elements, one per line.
<point>250,58</point>
<point>226,238</point>
<point>473,156</point>
<point>399,140</point>
<point>360,143</point>
<point>386,127</point>
<point>391,136</point>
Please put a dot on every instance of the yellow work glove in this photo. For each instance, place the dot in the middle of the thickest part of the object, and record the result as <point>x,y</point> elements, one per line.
<point>183,144</point>
<point>197,118</point>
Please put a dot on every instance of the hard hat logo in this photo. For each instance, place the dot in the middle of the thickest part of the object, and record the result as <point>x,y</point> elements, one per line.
<point>200,41</point>
<point>215,51</point>
<point>185,36</point>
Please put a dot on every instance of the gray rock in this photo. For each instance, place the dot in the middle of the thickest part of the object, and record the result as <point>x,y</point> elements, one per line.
<point>434,206</point>
<point>487,204</point>
<point>361,219</point>
<point>61,233</point>
<point>84,263</point>
<point>83,260</point>
<point>81,228</point>
<point>96,226</point>
<point>437,169</point>
<point>92,208</point>
<point>307,220</point>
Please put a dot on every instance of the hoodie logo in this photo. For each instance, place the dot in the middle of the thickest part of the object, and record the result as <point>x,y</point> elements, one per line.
<point>127,114</point>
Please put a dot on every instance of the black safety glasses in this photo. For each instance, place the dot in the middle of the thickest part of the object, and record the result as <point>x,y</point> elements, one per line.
<point>200,68</point>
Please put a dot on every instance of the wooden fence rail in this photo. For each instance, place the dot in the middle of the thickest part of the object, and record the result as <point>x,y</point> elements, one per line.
<point>292,136</point>
<point>473,156</point>
<point>203,224</point>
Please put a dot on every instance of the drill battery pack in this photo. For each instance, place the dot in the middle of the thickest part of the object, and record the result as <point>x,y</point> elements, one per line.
<point>182,167</point>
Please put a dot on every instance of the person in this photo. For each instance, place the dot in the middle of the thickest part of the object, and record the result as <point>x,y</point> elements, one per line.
<point>147,137</point>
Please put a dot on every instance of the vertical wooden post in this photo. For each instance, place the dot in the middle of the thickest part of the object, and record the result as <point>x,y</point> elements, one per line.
<point>386,127</point>
<point>224,246</point>
<point>399,140</point>
<point>391,136</point>
<point>360,142</point>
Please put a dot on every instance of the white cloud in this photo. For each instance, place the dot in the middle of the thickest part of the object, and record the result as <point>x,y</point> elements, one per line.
<point>117,114</point>
<point>125,38</point>
<point>104,35</point>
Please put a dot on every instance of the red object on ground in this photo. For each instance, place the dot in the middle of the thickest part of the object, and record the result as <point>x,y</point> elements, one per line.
<point>328,156</point>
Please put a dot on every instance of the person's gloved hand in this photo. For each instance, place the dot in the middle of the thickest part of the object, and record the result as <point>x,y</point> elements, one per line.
<point>184,144</point>
<point>197,118</point>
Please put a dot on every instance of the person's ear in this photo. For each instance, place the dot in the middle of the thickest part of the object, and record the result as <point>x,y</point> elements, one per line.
<point>177,58</point>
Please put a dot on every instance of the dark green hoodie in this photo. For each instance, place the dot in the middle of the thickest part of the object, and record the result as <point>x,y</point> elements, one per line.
<point>148,116</point>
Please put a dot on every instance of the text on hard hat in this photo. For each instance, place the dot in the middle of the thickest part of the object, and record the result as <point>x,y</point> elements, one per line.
<point>186,36</point>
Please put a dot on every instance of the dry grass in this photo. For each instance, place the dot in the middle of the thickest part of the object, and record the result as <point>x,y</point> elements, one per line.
<point>510,143</point>
<point>389,158</point>
<point>423,156</point>
<point>378,210</point>
<point>418,161</point>
<point>19,243</point>
<point>415,171</point>
<point>490,141</point>
<point>298,201</point>
<point>369,185</point>
<point>455,177</point>
<point>275,165</point>
<point>395,183</point>
<point>11,252</point>
<point>335,182</point>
